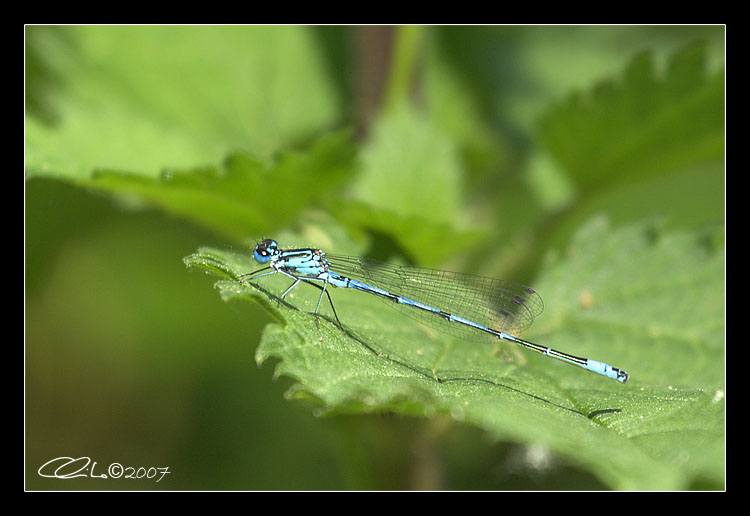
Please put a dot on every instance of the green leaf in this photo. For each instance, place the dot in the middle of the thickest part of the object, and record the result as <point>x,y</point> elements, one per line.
<point>247,196</point>
<point>422,240</point>
<point>627,296</point>
<point>640,125</point>
<point>661,291</point>
<point>408,154</point>
<point>142,98</point>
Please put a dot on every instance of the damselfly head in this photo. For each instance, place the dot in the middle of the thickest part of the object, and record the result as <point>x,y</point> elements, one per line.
<point>265,250</point>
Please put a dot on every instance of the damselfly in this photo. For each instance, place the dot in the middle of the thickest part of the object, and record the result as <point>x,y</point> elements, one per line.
<point>468,306</point>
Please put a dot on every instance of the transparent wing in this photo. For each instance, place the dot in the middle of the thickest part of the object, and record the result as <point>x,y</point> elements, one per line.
<point>497,304</point>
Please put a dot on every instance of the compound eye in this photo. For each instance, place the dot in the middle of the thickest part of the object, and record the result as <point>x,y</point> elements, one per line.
<point>264,250</point>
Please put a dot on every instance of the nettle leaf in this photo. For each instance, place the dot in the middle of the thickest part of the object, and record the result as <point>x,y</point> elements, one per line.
<point>642,124</point>
<point>627,296</point>
<point>139,99</point>
<point>247,195</point>
<point>422,239</point>
<point>406,153</point>
<point>662,291</point>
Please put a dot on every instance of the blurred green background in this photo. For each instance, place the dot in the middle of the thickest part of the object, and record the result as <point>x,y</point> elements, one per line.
<point>143,144</point>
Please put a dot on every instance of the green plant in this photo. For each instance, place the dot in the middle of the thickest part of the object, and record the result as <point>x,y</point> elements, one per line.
<point>609,202</point>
